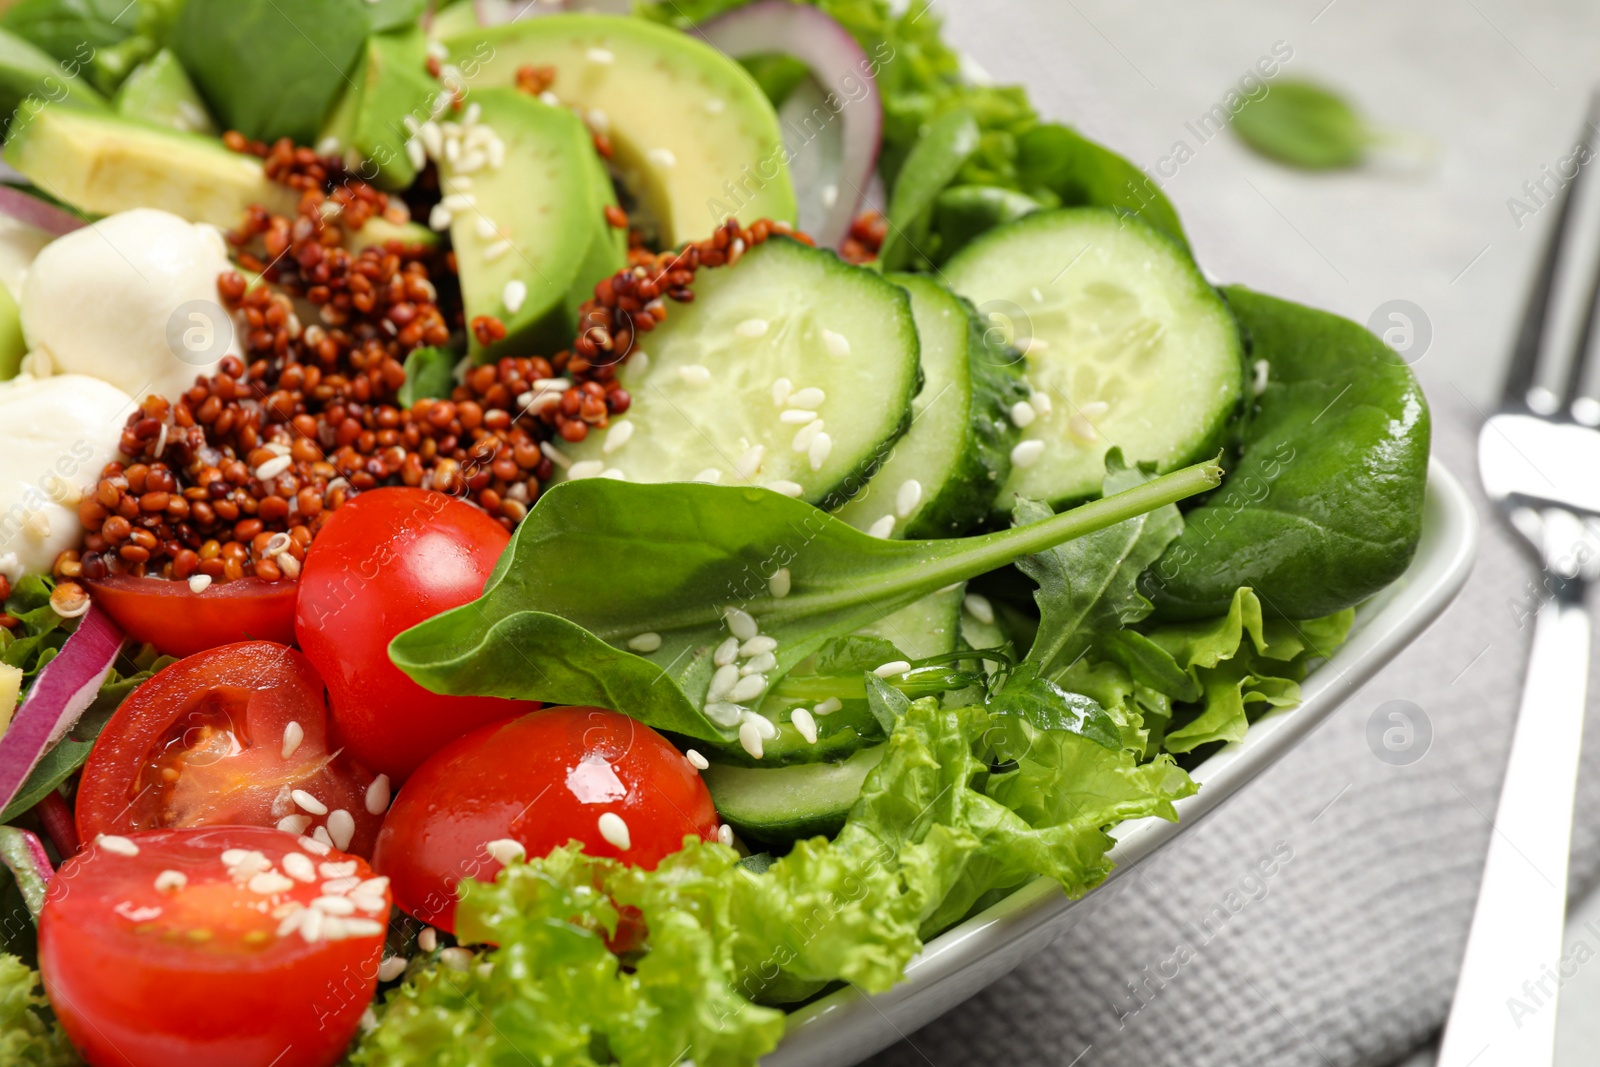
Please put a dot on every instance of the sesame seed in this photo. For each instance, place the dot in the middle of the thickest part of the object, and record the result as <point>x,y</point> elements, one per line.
<point>723,713</point>
<point>710,476</point>
<point>309,803</point>
<point>751,328</point>
<point>810,397</point>
<point>311,924</point>
<point>439,219</point>
<point>758,644</point>
<point>496,250</point>
<point>646,642</point>
<point>697,761</point>
<point>334,906</point>
<point>512,296</point>
<point>804,723</point>
<point>341,827</point>
<point>298,865</point>
<point>639,362</point>
<point>615,831</point>
<point>599,121</point>
<point>722,682</point>
<point>726,652</point>
<point>882,528</point>
<point>837,344</point>
<point>372,904</point>
<point>1258,384</point>
<point>748,688</point>
<point>294,824</point>
<point>786,487</point>
<point>391,968</point>
<point>695,374</point>
<point>779,584</point>
<point>486,229</point>
<point>456,958</point>
<point>979,608</point>
<point>764,726</point>
<point>432,138</point>
<point>364,928</point>
<point>428,939</point>
<point>1022,413</point>
<point>797,416</point>
<point>199,583</point>
<point>908,497</point>
<point>1027,453</point>
<point>459,202</point>
<point>555,455</point>
<point>758,664</point>
<point>821,448</point>
<point>274,467</point>
<point>269,882</point>
<point>828,707</point>
<point>750,738</point>
<point>725,835</point>
<point>293,734</point>
<point>321,834</point>
<point>505,851</point>
<point>1080,428</point>
<point>1096,408</point>
<point>601,56</point>
<point>416,154</point>
<point>749,464</point>
<point>291,921</point>
<point>378,794</point>
<point>338,869</point>
<point>1040,402</point>
<point>740,623</point>
<point>588,468</point>
<point>781,389</point>
<point>830,195</point>
<point>662,157</point>
<point>316,846</point>
<point>619,434</point>
<point>117,844</point>
<point>891,669</point>
<point>714,105</point>
<point>806,435</point>
<point>171,881</point>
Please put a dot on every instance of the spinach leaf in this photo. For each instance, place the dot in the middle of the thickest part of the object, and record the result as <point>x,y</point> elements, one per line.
<point>1324,506</point>
<point>271,68</point>
<point>598,563</point>
<point>1089,585</point>
<point>886,703</point>
<point>933,164</point>
<point>964,212</point>
<point>1055,163</point>
<point>75,32</point>
<point>430,374</point>
<point>1303,125</point>
<point>394,14</point>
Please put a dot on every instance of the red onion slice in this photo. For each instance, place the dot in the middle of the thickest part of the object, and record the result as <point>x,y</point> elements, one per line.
<point>24,854</point>
<point>62,692</point>
<point>16,204</point>
<point>844,72</point>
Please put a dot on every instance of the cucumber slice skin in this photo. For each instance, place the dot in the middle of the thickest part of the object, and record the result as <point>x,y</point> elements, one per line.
<point>958,448</point>
<point>1179,335</point>
<point>794,294</point>
<point>774,805</point>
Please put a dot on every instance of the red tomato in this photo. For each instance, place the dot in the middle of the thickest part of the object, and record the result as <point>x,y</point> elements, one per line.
<point>176,947</point>
<point>384,562</point>
<point>202,744</point>
<point>541,780</point>
<point>181,622</point>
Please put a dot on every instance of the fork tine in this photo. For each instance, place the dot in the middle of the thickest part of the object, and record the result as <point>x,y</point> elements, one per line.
<point>1530,336</point>
<point>1578,365</point>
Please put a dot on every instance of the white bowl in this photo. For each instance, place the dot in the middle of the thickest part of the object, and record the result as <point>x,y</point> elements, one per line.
<point>846,1027</point>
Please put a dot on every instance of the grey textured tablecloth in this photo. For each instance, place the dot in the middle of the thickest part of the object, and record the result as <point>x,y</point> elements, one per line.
<point>1347,953</point>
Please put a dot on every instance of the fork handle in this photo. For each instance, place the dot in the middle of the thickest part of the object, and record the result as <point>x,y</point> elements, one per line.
<point>1504,1013</point>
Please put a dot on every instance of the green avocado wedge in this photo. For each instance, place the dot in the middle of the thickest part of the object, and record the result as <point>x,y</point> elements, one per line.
<point>1323,507</point>
<point>390,83</point>
<point>695,139</point>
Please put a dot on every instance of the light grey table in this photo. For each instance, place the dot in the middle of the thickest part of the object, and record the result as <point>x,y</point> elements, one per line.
<point>1494,90</point>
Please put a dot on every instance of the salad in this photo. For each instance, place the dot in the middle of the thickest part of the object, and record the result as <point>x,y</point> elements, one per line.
<point>535,535</point>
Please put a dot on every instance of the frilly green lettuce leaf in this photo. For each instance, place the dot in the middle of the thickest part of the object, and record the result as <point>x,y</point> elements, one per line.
<point>29,1036</point>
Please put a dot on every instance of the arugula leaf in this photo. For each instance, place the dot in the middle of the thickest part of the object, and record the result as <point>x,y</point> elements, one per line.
<point>430,374</point>
<point>29,1036</point>
<point>599,562</point>
<point>1304,125</point>
<point>1090,585</point>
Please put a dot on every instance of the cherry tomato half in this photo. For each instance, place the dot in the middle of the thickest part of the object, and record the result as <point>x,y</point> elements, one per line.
<point>181,622</point>
<point>213,946</point>
<point>541,780</point>
<point>210,740</point>
<point>383,563</point>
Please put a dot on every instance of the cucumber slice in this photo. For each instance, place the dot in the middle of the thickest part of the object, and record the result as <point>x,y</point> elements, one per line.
<point>958,450</point>
<point>716,387</point>
<point>1126,342</point>
<point>777,804</point>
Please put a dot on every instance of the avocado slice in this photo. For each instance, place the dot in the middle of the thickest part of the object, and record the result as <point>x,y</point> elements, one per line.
<point>12,349</point>
<point>103,164</point>
<point>159,92</point>
<point>32,82</point>
<point>695,138</point>
<point>548,201</point>
<point>389,83</point>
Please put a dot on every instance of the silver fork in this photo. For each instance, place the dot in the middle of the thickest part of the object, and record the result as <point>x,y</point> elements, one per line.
<point>1539,459</point>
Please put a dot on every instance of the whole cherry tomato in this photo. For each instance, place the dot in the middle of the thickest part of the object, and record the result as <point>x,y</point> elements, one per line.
<point>181,622</point>
<point>212,946</point>
<point>234,735</point>
<point>383,563</point>
<point>541,780</point>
